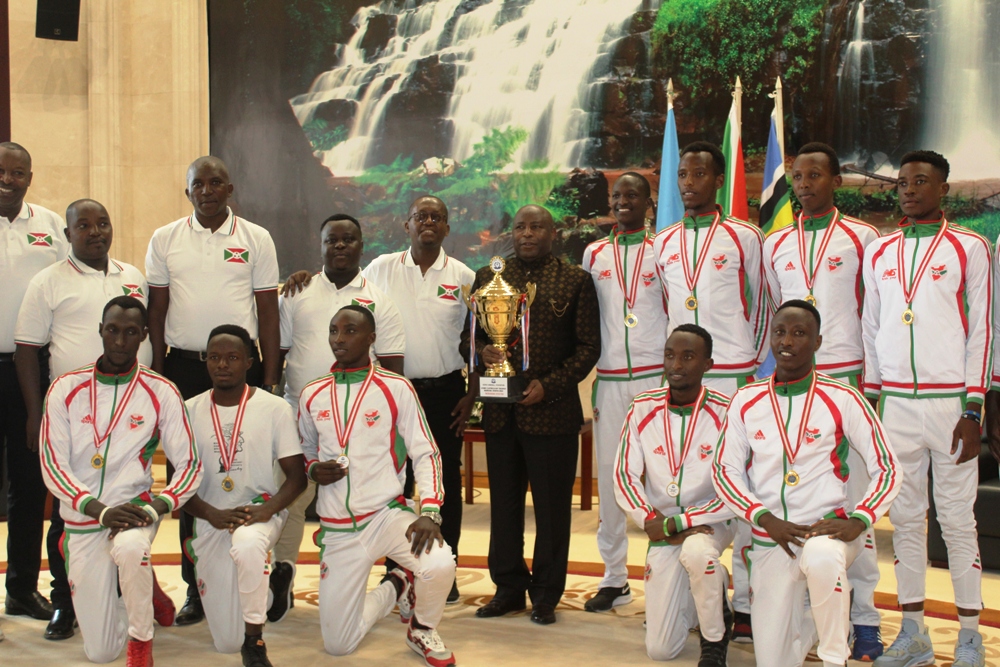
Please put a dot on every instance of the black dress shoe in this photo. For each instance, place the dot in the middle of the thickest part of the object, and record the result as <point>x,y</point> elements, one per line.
<point>35,606</point>
<point>454,597</point>
<point>499,606</point>
<point>62,624</point>
<point>191,612</point>
<point>543,614</point>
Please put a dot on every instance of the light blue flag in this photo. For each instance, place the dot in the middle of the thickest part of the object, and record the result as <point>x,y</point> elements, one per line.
<point>669,208</point>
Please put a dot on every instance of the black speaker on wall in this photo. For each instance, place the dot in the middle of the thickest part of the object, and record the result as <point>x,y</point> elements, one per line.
<point>58,19</point>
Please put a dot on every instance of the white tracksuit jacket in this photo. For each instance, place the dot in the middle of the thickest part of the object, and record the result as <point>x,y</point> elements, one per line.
<point>153,415</point>
<point>642,448</point>
<point>390,426</point>
<point>838,287</point>
<point>948,350</point>
<point>751,464</point>
<point>732,303</point>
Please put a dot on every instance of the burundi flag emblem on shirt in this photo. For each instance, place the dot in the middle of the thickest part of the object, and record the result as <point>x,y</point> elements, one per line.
<point>236,255</point>
<point>40,239</point>
<point>720,262</point>
<point>371,418</point>
<point>812,434</point>
<point>135,421</point>
<point>132,290</point>
<point>648,278</point>
<point>834,263</point>
<point>448,292</point>
<point>364,303</point>
<point>937,272</point>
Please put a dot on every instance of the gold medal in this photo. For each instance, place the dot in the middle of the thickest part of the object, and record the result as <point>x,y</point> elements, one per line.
<point>673,489</point>
<point>631,320</point>
<point>227,484</point>
<point>811,300</point>
<point>791,478</point>
<point>97,461</point>
<point>908,317</point>
<point>691,303</point>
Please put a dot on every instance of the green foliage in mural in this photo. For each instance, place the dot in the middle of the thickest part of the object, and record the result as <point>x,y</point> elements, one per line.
<point>322,136</point>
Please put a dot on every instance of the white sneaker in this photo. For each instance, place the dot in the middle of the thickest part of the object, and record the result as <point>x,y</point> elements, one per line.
<point>407,599</point>
<point>912,648</point>
<point>969,651</point>
<point>427,643</point>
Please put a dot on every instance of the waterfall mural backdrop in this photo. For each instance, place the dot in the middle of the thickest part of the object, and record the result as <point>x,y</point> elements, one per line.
<point>356,106</point>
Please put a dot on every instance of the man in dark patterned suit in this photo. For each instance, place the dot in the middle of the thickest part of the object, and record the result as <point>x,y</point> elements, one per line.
<point>535,440</point>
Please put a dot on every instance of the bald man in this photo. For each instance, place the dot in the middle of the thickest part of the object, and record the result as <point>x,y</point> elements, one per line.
<point>535,440</point>
<point>204,270</point>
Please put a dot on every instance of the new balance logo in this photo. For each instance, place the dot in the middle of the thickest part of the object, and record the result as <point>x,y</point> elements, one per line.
<point>659,451</point>
<point>889,274</point>
<point>604,275</point>
<point>323,416</point>
<point>789,267</point>
<point>236,255</point>
<point>759,435</point>
<point>676,257</point>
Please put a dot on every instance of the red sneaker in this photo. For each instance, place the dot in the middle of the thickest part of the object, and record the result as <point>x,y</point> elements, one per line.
<point>407,599</point>
<point>163,607</point>
<point>140,654</point>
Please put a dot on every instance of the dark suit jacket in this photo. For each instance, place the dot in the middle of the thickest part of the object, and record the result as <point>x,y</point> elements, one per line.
<point>564,343</point>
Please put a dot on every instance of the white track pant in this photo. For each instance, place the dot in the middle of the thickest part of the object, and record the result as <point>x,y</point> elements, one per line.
<point>97,567</point>
<point>346,612</point>
<point>920,431</point>
<point>232,571</point>
<point>685,586</point>
<point>783,632</point>
<point>611,401</point>
<point>741,543</point>
<point>863,573</point>
<point>290,541</point>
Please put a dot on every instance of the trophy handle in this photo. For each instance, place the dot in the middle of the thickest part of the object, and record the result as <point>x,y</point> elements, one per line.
<point>467,295</point>
<point>530,291</point>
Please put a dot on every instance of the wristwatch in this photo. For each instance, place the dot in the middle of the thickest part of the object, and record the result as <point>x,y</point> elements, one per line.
<point>433,516</point>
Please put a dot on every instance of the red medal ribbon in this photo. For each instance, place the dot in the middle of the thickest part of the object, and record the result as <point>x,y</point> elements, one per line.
<point>791,454</point>
<point>810,276</point>
<point>633,289</point>
<point>119,409</point>
<point>692,280</point>
<point>672,461</point>
<point>227,450</point>
<point>344,432</point>
<point>910,286</point>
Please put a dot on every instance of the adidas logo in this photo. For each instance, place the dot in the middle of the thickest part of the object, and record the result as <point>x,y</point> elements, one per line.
<point>789,267</point>
<point>660,451</point>
<point>86,420</point>
<point>759,435</point>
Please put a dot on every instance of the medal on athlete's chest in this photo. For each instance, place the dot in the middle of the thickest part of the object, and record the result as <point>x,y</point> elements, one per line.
<point>227,449</point>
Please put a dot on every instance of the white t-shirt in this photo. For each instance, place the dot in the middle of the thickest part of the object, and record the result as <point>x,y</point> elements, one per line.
<point>63,306</point>
<point>432,308</point>
<point>268,433</point>
<point>34,240</point>
<point>212,277</point>
<point>305,328</point>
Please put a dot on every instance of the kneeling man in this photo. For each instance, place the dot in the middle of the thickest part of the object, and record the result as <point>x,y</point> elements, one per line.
<point>241,432</point>
<point>101,425</point>
<point>671,433</point>
<point>782,465</point>
<point>358,426</point>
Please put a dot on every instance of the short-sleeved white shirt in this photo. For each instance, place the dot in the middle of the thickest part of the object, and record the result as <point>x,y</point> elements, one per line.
<point>305,327</point>
<point>268,433</point>
<point>432,308</point>
<point>63,306</point>
<point>212,277</point>
<point>34,240</point>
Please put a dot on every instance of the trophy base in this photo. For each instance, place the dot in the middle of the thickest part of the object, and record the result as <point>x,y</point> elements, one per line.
<point>501,389</point>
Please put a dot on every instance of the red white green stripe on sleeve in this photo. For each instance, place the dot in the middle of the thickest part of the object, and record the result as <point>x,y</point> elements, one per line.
<point>702,514</point>
<point>633,495</point>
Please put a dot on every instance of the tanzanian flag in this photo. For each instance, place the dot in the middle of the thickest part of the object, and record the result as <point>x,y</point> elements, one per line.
<point>775,206</point>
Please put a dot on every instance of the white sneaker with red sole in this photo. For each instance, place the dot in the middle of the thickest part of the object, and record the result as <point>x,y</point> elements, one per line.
<point>427,643</point>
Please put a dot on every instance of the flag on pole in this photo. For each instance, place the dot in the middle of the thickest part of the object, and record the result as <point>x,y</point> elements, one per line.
<point>669,207</point>
<point>775,203</point>
<point>733,195</point>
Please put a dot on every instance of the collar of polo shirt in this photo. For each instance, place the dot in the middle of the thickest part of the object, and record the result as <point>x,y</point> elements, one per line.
<point>439,263</point>
<point>227,228</point>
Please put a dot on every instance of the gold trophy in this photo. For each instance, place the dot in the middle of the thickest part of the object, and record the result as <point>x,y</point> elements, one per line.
<point>498,307</point>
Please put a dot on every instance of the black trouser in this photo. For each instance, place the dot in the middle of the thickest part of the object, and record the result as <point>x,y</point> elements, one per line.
<point>548,462</point>
<point>438,398</point>
<point>26,496</point>
<point>191,378</point>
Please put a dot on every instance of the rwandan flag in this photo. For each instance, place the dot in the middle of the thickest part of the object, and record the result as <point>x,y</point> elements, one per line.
<point>669,208</point>
<point>775,206</point>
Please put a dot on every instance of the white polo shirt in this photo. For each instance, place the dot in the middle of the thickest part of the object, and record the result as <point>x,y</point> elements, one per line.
<point>432,308</point>
<point>268,433</point>
<point>212,277</point>
<point>34,240</point>
<point>305,327</point>
<point>63,306</point>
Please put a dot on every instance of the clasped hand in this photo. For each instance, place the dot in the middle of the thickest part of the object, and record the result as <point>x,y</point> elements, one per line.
<point>786,532</point>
